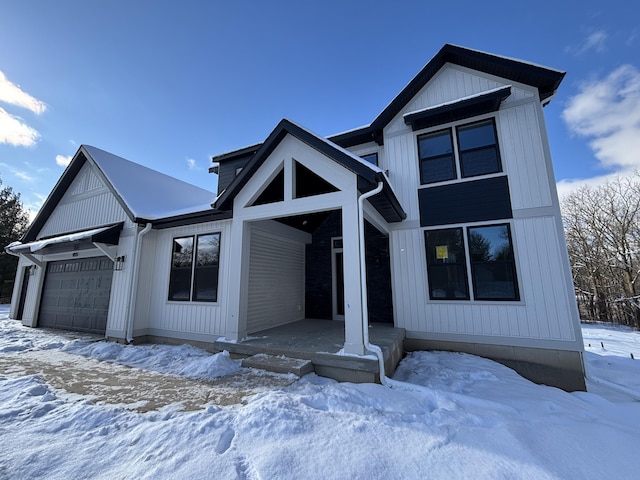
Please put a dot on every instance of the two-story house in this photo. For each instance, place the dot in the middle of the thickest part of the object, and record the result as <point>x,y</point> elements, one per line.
<point>439,219</point>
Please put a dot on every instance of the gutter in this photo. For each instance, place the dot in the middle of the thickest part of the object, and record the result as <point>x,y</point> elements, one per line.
<point>133,291</point>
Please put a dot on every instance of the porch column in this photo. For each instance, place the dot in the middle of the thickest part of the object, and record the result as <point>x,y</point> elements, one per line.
<point>353,336</point>
<point>237,287</point>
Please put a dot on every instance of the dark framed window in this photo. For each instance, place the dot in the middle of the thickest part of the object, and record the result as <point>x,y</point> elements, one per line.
<point>475,151</point>
<point>371,158</point>
<point>491,262</point>
<point>446,264</point>
<point>437,162</point>
<point>194,268</point>
<point>493,268</point>
<point>478,149</point>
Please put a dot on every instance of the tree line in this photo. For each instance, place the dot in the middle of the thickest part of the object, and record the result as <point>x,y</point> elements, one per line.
<point>602,227</point>
<point>13,223</point>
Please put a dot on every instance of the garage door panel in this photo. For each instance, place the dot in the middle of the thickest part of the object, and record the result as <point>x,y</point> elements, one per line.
<point>76,295</point>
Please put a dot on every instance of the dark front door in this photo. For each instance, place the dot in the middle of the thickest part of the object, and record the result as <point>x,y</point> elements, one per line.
<point>23,292</point>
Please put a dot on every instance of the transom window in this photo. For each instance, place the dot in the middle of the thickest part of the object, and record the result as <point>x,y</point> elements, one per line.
<point>490,266</point>
<point>475,151</point>
<point>194,271</point>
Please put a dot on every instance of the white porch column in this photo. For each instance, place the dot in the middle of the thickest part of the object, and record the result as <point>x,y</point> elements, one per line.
<point>238,281</point>
<point>353,336</point>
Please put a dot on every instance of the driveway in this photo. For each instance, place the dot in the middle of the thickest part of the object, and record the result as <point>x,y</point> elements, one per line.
<point>134,388</point>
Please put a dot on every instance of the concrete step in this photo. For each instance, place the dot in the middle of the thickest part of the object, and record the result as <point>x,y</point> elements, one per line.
<point>278,364</point>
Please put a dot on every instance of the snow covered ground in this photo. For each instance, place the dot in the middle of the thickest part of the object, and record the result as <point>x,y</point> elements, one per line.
<point>459,417</point>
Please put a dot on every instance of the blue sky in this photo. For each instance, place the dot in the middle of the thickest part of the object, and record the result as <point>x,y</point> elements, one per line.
<point>169,83</point>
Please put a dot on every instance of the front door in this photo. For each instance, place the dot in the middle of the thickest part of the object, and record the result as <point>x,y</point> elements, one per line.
<point>337,274</point>
<point>23,292</point>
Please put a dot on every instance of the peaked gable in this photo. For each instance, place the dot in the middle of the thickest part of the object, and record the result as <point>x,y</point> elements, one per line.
<point>368,175</point>
<point>145,195</point>
<point>546,81</point>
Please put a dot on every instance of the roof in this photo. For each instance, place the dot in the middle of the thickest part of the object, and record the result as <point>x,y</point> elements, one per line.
<point>83,239</point>
<point>546,80</point>
<point>145,194</point>
<point>368,174</point>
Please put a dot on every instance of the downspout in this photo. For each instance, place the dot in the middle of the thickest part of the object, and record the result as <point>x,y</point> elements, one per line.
<point>133,291</point>
<point>363,283</point>
<point>386,381</point>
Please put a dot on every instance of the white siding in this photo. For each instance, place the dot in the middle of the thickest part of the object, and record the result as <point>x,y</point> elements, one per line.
<point>121,285</point>
<point>542,314</point>
<point>454,82</point>
<point>523,156</point>
<point>155,315</point>
<point>86,203</point>
<point>276,281</point>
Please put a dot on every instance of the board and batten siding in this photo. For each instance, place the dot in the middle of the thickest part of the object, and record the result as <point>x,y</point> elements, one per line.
<point>276,281</point>
<point>541,314</point>
<point>155,314</point>
<point>87,203</point>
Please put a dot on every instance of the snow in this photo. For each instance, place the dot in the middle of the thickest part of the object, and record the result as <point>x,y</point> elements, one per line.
<point>149,194</point>
<point>457,416</point>
<point>39,245</point>
<point>457,100</point>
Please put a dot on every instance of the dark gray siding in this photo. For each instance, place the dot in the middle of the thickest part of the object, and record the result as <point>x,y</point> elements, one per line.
<point>474,201</point>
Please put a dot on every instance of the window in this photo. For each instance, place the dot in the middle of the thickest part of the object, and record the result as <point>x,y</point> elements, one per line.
<point>493,267</point>
<point>194,271</point>
<point>446,264</point>
<point>491,263</point>
<point>371,158</point>
<point>476,152</point>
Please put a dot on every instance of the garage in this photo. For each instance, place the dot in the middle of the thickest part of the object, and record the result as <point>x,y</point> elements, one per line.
<point>76,295</point>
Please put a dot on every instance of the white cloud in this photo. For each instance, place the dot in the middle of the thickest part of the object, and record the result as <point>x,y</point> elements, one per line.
<point>607,112</point>
<point>14,132</point>
<point>595,41</point>
<point>191,163</point>
<point>63,160</point>
<point>14,95</point>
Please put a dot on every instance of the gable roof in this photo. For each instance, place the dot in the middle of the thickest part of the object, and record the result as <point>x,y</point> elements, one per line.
<point>368,174</point>
<point>146,195</point>
<point>546,80</point>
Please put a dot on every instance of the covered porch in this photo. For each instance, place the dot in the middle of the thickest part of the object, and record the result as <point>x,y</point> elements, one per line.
<point>321,342</point>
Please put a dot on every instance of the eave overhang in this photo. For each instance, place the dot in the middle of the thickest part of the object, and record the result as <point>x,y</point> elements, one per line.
<point>385,202</point>
<point>467,107</point>
<point>69,242</point>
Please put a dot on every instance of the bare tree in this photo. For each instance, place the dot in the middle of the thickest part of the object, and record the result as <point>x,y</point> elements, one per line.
<point>602,226</point>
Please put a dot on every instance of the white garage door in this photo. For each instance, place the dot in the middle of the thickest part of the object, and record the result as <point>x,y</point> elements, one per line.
<point>76,295</point>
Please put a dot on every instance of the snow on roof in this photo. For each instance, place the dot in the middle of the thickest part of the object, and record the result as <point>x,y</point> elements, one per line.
<point>149,194</point>
<point>361,160</point>
<point>40,244</point>
<point>458,100</point>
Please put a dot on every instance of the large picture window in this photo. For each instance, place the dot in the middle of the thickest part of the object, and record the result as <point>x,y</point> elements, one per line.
<point>194,268</point>
<point>475,151</point>
<point>491,263</point>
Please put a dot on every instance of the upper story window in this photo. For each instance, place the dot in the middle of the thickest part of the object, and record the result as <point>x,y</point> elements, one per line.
<point>472,151</point>
<point>371,158</point>
<point>194,271</point>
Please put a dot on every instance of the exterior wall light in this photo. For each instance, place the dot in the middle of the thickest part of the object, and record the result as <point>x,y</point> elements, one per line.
<point>118,264</point>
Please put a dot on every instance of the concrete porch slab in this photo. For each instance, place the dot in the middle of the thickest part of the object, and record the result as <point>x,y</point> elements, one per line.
<point>278,364</point>
<point>320,341</point>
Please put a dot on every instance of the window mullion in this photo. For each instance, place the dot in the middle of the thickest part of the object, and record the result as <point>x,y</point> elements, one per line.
<point>467,250</point>
<point>456,152</point>
<point>194,258</point>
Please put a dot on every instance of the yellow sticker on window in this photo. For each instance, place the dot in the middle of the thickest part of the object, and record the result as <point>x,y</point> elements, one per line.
<point>442,252</point>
